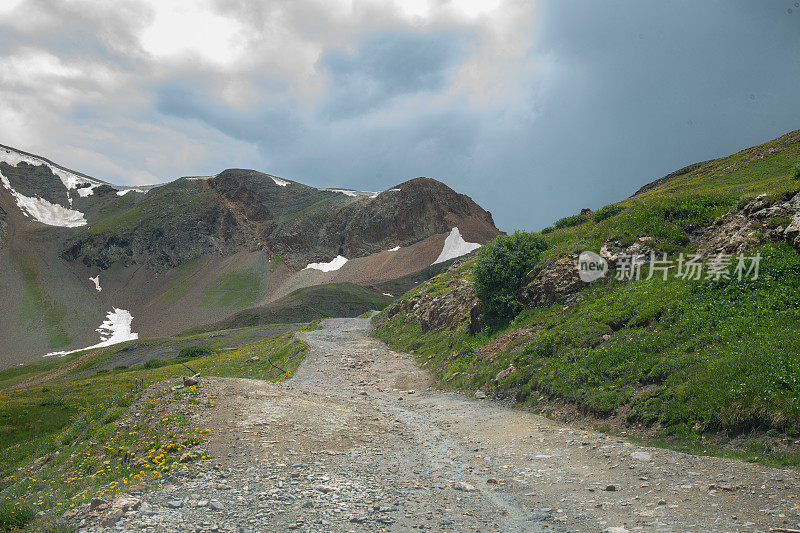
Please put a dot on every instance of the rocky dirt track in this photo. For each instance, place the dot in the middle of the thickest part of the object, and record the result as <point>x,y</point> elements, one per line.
<point>357,440</point>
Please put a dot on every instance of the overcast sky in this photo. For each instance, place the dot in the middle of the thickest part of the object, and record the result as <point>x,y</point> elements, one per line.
<point>535,109</point>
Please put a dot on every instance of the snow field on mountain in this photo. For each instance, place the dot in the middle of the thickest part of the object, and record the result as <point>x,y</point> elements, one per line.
<point>115,329</point>
<point>334,264</point>
<point>45,212</point>
<point>455,246</point>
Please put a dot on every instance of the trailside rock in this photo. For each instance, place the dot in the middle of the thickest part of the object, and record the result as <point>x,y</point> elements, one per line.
<point>445,311</point>
<point>559,283</point>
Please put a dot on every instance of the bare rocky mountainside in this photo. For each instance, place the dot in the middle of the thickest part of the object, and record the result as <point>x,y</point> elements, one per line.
<point>77,252</point>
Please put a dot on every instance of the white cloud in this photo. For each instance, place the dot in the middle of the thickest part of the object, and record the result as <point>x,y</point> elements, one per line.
<point>188,29</point>
<point>79,82</point>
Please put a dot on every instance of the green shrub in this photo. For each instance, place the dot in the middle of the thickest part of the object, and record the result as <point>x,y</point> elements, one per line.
<point>13,517</point>
<point>112,414</point>
<point>796,173</point>
<point>51,400</point>
<point>607,212</point>
<point>194,350</point>
<point>548,229</point>
<point>778,221</point>
<point>150,364</point>
<point>696,211</point>
<point>499,270</point>
<point>568,222</point>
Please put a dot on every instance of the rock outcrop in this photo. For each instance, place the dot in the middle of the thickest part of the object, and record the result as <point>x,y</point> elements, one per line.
<point>760,220</point>
<point>559,283</point>
<point>447,310</point>
<point>247,209</point>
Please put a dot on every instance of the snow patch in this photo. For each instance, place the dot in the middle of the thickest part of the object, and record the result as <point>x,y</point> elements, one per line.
<point>44,211</point>
<point>355,194</point>
<point>85,186</point>
<point>96,280</point>
<point>123,192</point>
<point>278,181</point>
<point>115,329</point>
<point>334,264</point>
<point>455,246</point>
<point>393,249</point>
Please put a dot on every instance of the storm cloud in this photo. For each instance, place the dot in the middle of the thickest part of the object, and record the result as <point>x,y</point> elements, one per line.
<point>534,109</point>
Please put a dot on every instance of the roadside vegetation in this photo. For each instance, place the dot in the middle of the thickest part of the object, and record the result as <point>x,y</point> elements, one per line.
<point>705,365</point>
<point>82,426</point>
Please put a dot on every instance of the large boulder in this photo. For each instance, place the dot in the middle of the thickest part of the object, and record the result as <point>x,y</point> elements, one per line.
<point>559,283</point>
<point>448,310</point>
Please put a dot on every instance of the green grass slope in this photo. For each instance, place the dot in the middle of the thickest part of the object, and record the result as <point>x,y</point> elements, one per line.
<point>699,363</point>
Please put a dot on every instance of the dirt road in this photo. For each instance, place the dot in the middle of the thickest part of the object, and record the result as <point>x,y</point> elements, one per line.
<point>357,440</point>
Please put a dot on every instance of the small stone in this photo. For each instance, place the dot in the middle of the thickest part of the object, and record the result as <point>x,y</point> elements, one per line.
<point>480,395</point>
<point>113,517</point>
<point>214,505</point>
<point>202,503</point>
<point>616,529</point>
<point>642,456</point>
<point>126,503</point>
<point>464,487</point>
<point>175,504</point>
<point>495,481</point>
<point>186,457</point>
<point>611,488</point>
<point>96,503</point>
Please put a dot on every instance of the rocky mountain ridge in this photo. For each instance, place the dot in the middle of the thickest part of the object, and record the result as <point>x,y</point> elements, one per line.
<point>200,248</point>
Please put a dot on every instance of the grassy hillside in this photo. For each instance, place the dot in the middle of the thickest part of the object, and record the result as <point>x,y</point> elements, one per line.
<point>695,362</point>
<point>307,304</point>
<point>89,425</point>
<point>670,211</point>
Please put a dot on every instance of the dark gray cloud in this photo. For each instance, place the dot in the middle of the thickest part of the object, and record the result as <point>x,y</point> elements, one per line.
<point>387,65</point>
<point>639,89</point>
<point>535,113</point>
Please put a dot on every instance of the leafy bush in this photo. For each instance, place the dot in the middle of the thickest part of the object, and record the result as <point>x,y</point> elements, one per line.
<point>150,364</point>
<point>112,414</point>
<point>778,221</point>
<point>607,212</point>
<point>548,229</point>
<point>696,211</point>
<point>13,518</point>
<point>194,350</point>
<point>499,270</point>
<point>51,400</point>
<point>796,173</point>
<point>568,222</point>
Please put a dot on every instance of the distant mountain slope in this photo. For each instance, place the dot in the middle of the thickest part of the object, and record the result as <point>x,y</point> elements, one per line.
<point>198,249</point>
